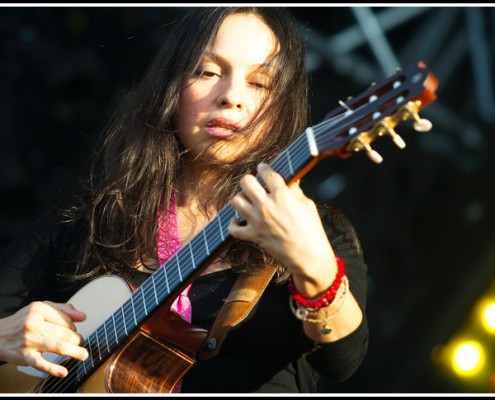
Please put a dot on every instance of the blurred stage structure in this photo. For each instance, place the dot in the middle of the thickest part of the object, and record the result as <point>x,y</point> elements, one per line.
<point>425,215</point>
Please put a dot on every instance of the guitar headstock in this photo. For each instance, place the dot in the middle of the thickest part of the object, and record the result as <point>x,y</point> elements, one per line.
<point>359,121</point>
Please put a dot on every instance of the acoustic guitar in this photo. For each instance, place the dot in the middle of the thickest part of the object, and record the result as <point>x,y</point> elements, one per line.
<point>135,344</point>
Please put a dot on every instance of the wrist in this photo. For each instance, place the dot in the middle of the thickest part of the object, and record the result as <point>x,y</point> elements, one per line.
<point>313,296</point>
<point>318,312</point>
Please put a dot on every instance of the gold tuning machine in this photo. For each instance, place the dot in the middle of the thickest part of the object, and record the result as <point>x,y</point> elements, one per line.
<point>362,142</point>
<point>410,110</point>
<point>386,127</point>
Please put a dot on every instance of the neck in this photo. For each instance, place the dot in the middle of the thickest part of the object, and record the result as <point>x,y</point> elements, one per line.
<point>195,186</point>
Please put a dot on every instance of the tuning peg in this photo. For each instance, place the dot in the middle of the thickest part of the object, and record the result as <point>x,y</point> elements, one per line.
<point>399,142</point>
<point>420,124</point>
<point>359,144</point>
<point>385,127</point>
<point>374,155</point>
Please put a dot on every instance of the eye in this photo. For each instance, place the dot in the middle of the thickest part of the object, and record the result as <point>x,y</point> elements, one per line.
<point>201,73</point>
<point>260,81</point>
<point>207,70</point>
<point>208,74</point>
<point>262,85</point>
<point>259,85</point>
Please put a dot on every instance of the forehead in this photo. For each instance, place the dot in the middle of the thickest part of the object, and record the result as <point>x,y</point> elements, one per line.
<point>245,38</point>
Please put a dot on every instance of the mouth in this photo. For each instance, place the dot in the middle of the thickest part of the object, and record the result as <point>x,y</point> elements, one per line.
<point>222,128</point>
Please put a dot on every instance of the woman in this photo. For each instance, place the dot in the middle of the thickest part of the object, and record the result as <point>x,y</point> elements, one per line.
<point>222,98</point>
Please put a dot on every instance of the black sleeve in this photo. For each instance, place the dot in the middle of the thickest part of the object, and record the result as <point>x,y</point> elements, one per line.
<point>30,265</point>
<point>339,360</point>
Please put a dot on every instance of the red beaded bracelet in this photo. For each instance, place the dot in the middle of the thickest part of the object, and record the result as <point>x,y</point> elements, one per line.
<point>327,298</point>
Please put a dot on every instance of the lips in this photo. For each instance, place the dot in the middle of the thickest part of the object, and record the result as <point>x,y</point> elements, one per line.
<point>222,128</point>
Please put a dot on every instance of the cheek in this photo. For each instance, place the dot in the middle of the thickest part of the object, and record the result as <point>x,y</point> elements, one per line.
<point>192,102</point>
<point>185,112</point>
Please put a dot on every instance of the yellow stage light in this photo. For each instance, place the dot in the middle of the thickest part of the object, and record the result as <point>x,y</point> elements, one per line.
<point>468,358</point>
<point>489,317</point>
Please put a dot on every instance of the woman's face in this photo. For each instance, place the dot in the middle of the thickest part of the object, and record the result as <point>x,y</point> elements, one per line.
<point>227,90</point>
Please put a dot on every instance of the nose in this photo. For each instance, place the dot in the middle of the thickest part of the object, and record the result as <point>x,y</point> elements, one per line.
<point>231,95</point>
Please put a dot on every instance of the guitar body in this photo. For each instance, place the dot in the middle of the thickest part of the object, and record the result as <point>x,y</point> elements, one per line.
<point>153,360</point>
<point>13,381</point>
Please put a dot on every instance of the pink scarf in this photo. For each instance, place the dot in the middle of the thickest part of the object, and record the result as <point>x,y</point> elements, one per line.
<point>167,244</point>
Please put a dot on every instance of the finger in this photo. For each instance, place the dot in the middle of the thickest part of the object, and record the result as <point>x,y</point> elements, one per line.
<point>65,348</point>
<point>252,189</point>
<point>234,227</point>
<point>62,314</point>
<point>240,203</point>
<point>46,337</point>
<point>76,315</point>
<point>295,188</point>
<point>61,333</point>
<point>69,309</point>
<point>48,318</point>
<point>241,231</point>
<point>295,184</point>
<point>39,363</point>
<point>272,179</point>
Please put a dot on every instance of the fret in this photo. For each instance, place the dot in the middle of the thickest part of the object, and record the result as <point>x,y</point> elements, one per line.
<point>164,273</point>
<point>106,335</point>
<point>123,320</point>
<point>191,253</point>
<point>138,307</point>
<point>220,228</point>
<point>115,328</point>
<point>206,242</point>
<point>160,284</point>
<point>80,374</point>
<point>226,216</point>
<point>289,162</point>
<point>154,288</point>
<point>82,364</point>
<point>238,216</point>
<point>116,316</point>
<point>144,302</point>
<point>133,310</point>
<point>178,263</point>
<point>200,250</point>
<point>90,351</point>
<point>98,344</point>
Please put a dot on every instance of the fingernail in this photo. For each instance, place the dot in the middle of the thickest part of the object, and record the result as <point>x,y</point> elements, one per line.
<point>262,166</point>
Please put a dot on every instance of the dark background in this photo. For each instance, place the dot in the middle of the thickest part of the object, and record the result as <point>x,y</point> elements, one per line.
<point>425,215</point>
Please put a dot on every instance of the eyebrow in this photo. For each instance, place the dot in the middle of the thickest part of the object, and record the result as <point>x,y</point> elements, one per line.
<point>264,67</point>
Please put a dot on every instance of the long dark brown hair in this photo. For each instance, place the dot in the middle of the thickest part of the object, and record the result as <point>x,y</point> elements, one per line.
<point>139,157</point>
